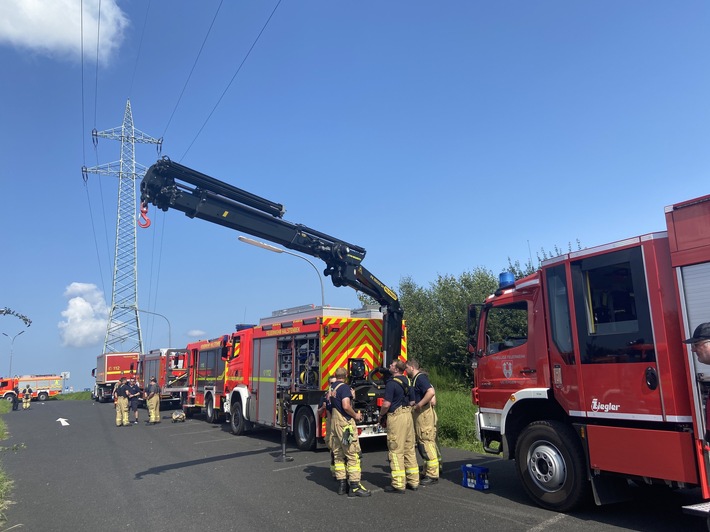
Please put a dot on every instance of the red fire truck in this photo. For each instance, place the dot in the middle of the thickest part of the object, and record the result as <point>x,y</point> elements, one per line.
<point>204,385</point>
<point>110,367</point>
<point>43,386</point>
<point>169,367</point>
<point>291,355</point>
<point>580,373</point>
<point>243,375</point>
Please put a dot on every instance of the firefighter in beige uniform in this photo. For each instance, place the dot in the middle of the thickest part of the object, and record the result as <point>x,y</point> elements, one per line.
<point>152,393</point>
<point>26,397</point>
<point>424,398</point>
<point>344,441</point>
<point>396,415</point>
<point>325,408</point>
<point>121,394</point>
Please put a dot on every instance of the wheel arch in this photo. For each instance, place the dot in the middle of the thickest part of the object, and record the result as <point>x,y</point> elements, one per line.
<point>525,407</point>
<point>238,394</point>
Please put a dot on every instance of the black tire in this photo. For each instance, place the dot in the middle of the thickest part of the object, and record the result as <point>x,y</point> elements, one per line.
<point>10,397</point>
<point>42,396</point>
<point>237,421</point>
<point>551,465</point>
<point>304,429</point>
<point>210,414</point>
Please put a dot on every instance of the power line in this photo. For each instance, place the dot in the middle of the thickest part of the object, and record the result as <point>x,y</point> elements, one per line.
<point>96,87</point>
<point>140,45</point>
<point>193,68</point>
<point>231,80</point>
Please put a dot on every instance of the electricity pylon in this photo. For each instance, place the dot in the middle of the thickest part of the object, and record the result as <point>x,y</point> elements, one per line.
<point>123,333</point>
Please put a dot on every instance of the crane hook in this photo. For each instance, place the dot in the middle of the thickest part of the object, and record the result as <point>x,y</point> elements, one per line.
<point>144,216</point>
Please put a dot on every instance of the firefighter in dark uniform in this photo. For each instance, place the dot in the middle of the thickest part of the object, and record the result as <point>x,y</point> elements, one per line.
<point>122,393</point>
<point>396,415</point>
<point>344,440</point>
<point>16,398</point>
<point>134,394</point>
<point>424,416</point>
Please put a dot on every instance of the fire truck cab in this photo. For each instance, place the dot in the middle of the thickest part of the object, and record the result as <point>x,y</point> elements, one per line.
<point>580,373</point>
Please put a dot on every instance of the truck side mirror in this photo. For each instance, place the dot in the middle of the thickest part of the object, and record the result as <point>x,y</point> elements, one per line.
<point>471,324</point>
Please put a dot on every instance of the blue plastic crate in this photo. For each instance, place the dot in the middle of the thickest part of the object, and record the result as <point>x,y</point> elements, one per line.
<point>475,477</point>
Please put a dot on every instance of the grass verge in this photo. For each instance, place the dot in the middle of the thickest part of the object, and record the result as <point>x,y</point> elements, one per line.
<point>5,482</point>
<point>74,396</point>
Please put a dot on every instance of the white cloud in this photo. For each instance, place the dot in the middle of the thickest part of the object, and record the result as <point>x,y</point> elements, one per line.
<point>54,27</point>
<point>85,318</point>
<point>196,333</point>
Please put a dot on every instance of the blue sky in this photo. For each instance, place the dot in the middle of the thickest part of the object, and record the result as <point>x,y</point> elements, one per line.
<point>440,136</point>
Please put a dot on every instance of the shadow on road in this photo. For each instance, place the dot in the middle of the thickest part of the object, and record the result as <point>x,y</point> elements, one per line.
<point>191,463</point>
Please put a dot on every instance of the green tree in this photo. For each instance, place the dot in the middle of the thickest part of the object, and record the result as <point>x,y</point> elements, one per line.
<point>436,317</point>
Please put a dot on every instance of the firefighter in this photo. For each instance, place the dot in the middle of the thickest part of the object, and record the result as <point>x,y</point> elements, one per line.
<point>424,417</point>
<point>700,345</point>
<point>134,393</point>
<point>16,397</point>
<point>121,393</point>
<point>344,440</point>
<point>325,407</point>
<point>152,394</point>
<point>396,415</point>
<point>114,394</point>
<point>26,397</point>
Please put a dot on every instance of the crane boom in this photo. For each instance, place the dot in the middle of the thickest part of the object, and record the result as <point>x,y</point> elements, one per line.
<point>170,185</point>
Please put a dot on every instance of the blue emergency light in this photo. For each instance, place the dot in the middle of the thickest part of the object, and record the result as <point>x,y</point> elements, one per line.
<point>506,280</point>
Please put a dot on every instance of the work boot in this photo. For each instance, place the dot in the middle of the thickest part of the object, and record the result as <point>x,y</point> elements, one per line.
<point>392,489</point>
<point>342,487</point>
<point>358,490</point>
<point>428,481</point>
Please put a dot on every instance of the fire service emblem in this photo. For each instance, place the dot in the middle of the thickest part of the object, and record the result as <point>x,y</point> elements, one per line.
<point>508,369</point>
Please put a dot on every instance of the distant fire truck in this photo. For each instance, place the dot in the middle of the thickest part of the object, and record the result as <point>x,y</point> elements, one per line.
<point>110,367</point>
<point>169,367</point>
<point>205,377</point>
<point>43,386</point>
<point>580,371</point>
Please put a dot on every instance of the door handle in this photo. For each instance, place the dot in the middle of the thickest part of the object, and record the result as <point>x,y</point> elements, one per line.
<point>651,378</point>
<point>528,371</point>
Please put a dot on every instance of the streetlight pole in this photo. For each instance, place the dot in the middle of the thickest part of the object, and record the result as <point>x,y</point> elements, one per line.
<point>12,346</point>
<point>269,247</point>
<point>170,340</point>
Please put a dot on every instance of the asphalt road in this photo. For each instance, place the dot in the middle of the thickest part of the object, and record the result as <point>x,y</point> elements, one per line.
<point>89,475</point>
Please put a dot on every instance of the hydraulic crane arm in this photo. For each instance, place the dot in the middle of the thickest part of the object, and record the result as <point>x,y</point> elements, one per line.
<point>169,185</point>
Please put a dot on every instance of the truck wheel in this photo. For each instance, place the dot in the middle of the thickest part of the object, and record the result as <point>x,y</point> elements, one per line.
<point>210,415</point>
<point>304,429</point>
<point>42,396</point>
<point>9,397</point>
<point>551,465</point>
<point>238,423</point>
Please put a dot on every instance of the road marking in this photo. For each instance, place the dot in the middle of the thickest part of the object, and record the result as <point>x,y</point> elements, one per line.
<point>63,422</point>
<point>547,524</point>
